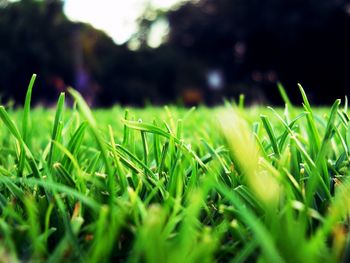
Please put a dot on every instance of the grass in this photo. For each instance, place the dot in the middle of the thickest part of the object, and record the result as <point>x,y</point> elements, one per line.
<point>229,184</point>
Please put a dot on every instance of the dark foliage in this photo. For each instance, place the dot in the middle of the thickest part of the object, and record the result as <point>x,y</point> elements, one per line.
<point>257,43</point>
<point>251,44</point>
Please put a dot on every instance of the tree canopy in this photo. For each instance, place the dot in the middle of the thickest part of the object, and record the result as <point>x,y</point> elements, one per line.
<point>257,43</point>
<point>241,45</point>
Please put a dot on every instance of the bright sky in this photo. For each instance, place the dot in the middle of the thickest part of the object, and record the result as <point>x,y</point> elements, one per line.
<point>117,17</point>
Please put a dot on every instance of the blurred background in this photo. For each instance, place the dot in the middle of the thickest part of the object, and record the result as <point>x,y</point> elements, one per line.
<point>139,52</point>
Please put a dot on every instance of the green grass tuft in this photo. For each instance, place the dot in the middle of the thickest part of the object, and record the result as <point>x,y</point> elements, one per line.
<point>227,184</point>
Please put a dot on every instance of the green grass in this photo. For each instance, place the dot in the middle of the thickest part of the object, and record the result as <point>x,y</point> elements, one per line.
<point>167,184</point>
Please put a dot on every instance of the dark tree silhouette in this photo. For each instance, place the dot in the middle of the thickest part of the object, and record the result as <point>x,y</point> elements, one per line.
<point>232,46</point>
<point>259,42</point>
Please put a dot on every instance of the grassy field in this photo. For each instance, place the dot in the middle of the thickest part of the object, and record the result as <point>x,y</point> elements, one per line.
<point>229,184</point>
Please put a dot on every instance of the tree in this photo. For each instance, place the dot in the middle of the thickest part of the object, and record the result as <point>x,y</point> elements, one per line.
<point>40,39</point>
<point>257,43</point>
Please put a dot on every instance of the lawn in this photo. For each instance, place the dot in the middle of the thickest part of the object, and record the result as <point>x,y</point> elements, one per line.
<point>171,184</point>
